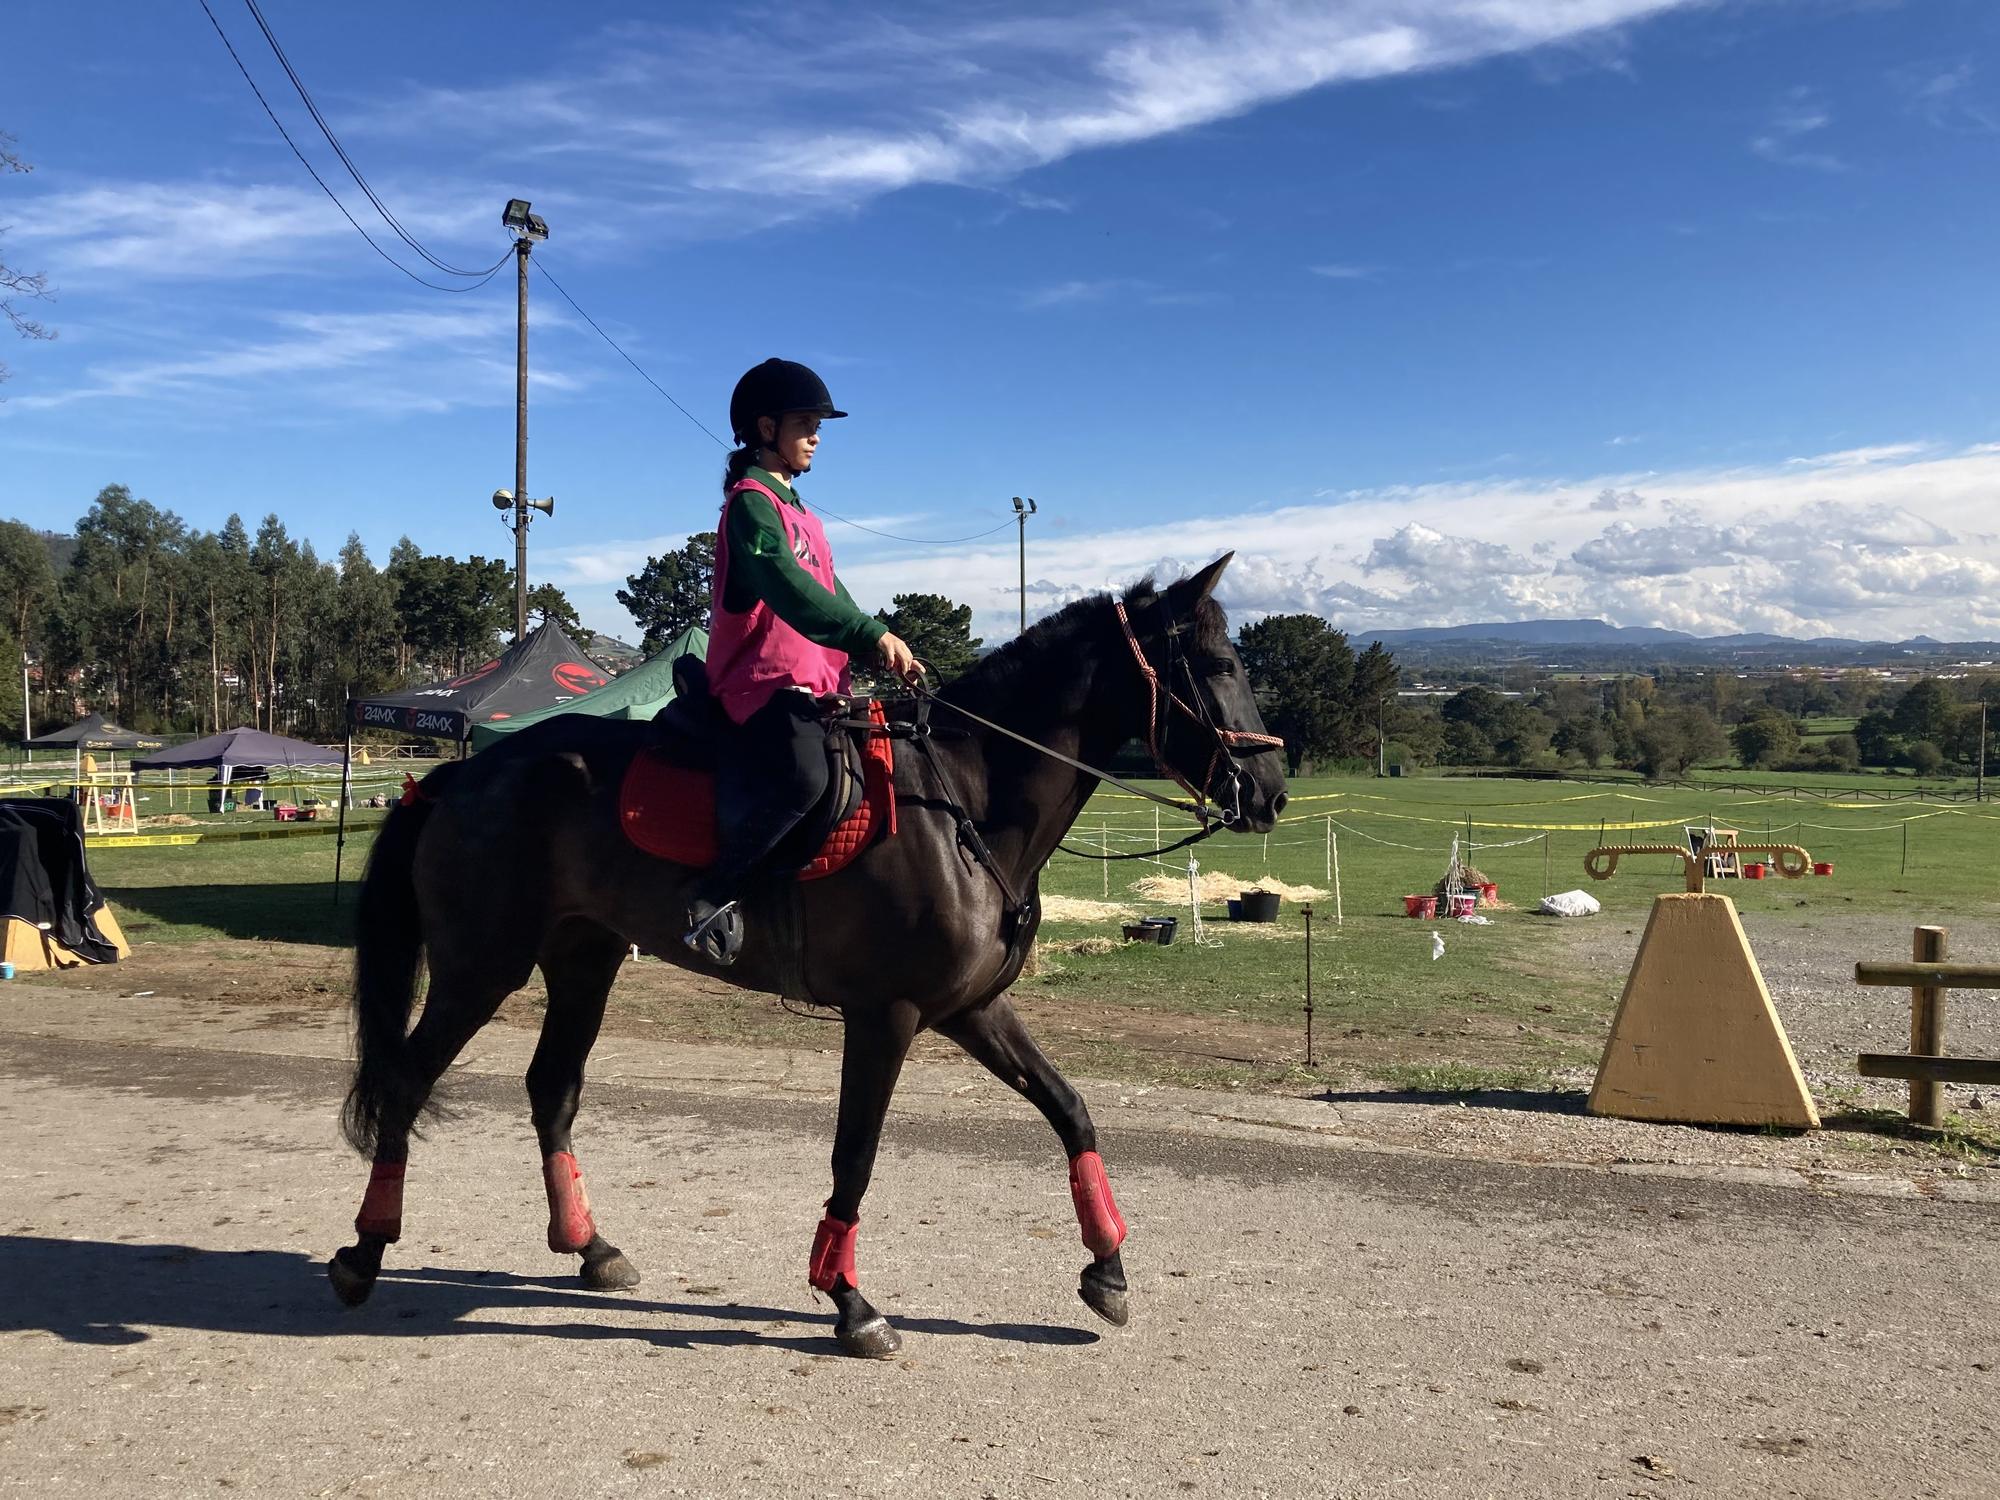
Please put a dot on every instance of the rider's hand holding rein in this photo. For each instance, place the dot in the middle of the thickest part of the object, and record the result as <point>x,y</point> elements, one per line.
<point>899,659</point>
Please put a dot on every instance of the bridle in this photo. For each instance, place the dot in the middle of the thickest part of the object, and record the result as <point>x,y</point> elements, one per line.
<point>1161,698</point>
<point>1211,811</point>
<point>1161,701</point>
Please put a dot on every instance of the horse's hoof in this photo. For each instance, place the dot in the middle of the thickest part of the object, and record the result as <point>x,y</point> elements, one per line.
<point>351,1286</point>
<point>610,1273</point>
<point>1111,1303</point>
<point>871,1338</point>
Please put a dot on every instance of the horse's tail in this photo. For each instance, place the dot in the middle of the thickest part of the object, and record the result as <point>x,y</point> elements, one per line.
<point>388,948</point>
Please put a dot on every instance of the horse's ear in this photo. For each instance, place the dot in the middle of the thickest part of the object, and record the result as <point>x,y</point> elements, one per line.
<point>1202,584</point>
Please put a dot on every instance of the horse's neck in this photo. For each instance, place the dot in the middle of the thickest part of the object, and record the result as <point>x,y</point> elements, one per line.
<point>1031,800</point>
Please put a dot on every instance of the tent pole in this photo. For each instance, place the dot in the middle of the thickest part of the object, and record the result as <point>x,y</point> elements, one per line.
<point>340,835</point>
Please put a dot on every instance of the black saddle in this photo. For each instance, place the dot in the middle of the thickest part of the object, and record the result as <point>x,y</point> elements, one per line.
<point>693,731</point>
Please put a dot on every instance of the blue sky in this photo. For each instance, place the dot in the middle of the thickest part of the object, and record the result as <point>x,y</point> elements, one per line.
<point>1675,312</point>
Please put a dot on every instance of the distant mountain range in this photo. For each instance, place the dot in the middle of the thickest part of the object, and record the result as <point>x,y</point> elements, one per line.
<point>1512,636</point>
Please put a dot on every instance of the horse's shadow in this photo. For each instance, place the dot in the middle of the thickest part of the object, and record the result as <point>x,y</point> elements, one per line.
<point>103,1292</point>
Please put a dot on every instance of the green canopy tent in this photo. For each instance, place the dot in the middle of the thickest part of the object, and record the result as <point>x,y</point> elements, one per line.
<point>639,694</point>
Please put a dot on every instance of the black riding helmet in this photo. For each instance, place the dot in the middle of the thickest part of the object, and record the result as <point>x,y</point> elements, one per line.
<point>772,389</point>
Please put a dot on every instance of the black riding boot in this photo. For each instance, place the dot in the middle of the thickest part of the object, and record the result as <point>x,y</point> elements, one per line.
<point>771,774</point>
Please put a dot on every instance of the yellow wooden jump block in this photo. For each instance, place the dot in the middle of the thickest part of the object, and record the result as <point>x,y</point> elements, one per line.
<point>1696,1040</point>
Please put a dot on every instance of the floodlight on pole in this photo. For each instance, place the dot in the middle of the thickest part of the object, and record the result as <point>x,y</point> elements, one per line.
<point>1022,510</point>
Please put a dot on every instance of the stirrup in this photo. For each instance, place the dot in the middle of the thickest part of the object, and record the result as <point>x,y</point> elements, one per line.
<point>715,932</point>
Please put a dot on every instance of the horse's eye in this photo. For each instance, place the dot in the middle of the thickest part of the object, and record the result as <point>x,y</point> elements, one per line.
<point>1220,668</point>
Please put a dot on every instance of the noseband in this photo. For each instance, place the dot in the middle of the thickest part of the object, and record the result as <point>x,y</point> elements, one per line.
<point>1162,701</point>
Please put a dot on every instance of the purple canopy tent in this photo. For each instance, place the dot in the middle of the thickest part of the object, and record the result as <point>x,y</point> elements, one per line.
<point>235,750</point>
<point>241,747</point>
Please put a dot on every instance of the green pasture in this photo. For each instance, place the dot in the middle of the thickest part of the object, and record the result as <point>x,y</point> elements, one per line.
<point>1508,1002</point>
<point>1511,1000</point>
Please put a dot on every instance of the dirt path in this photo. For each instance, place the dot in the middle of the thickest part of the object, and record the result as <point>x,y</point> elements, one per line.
<point>1346,1297</point>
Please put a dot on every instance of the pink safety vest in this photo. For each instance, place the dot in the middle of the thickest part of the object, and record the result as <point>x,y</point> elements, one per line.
<point>753,654</point>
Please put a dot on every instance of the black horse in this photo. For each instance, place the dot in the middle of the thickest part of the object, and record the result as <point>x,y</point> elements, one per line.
<point>516,858</point>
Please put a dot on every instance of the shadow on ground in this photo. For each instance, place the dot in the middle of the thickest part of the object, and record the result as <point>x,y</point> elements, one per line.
<point>1534,1101</point>
<point>289,913</point>
<point>100,1292</point>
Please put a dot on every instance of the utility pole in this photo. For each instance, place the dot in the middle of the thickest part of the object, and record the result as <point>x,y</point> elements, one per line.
<point>527,227</point>
<point>521,249</point>
<point>1979,786</point>
<point>1022,510</point>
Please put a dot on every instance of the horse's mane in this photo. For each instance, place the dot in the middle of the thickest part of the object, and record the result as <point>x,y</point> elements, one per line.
<point>1024,661</point>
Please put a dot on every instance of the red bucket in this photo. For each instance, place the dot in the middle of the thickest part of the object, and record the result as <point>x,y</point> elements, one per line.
<point>1420,906</point>
<point>1489,894</point>
<point>1822,867</point>
<point>1462,906</point>
<point>1753,871</point>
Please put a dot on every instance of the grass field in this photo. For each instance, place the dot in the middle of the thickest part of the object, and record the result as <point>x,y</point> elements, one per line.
<point>1520,995</point>
<point>1509,1003</point>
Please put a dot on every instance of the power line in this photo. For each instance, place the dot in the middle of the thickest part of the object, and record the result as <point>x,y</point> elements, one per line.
<point>340,151</point>
<point>926,541</point>
<point>434,286</point>
<point>626,357</point>
<point>831,515</point>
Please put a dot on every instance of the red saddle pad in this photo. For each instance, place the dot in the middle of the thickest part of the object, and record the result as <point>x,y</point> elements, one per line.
<point>669,811</point>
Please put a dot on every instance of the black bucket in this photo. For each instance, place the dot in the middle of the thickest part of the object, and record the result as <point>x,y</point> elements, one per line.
<point>1164,928</point>
<point>1259,906</point>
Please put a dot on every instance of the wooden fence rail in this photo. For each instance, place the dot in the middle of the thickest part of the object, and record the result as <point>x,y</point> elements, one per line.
<point>1925,1064</point>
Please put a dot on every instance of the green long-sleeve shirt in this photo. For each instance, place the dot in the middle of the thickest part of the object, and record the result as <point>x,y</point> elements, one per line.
<point>761,566</point>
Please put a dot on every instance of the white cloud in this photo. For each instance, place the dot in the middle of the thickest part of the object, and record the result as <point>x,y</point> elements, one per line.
<point>130,231</point>
<point>1336,272</point>
<point>388,361</point>
<point>1797,118</point>
<point>1614,500</point>
<point>1848,458</point>
<point>1419,551</point>
<point>1886,549</point>
<point>871,105</point>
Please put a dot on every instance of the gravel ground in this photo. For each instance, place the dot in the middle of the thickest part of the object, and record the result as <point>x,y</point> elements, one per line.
<point>1315,1313</point>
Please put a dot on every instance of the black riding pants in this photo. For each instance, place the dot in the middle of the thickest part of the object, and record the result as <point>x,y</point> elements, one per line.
<point>772,772</point>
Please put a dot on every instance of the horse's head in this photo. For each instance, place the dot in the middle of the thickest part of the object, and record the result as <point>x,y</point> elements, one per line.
<point>1204,727</point>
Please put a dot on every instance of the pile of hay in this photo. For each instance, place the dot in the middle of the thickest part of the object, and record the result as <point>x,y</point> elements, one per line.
<point>1087,947</point>
<point>169,820</point>
<point>1212,885</point>
<point>1217,886</point>
<point>1469,879</point>
<point>1291,892</point>
<point>1076,909</point>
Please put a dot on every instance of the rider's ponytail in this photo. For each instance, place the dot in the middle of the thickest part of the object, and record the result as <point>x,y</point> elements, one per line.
<point>740,460</point>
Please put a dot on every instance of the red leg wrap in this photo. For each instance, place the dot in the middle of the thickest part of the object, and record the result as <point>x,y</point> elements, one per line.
<point>833,1254</point>
<point>382,1205</point>
<point>570,1224</point>
<point>1090,1190</point>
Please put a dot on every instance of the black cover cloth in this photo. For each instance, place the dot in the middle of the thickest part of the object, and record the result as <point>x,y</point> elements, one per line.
<point>545,669</point>
<point>43,877</point>
<point>93,734</point>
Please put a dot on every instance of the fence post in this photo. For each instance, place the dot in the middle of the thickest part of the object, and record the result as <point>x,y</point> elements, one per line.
<point>1906,847</point>
<point>1104,848</point>
<point>1309,983</point>
<point>1927,1027</point>
<point>1339,917</point>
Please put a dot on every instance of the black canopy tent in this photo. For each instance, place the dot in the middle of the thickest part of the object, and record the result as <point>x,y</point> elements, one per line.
<point>92,733</point>
<point>543,670</point>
